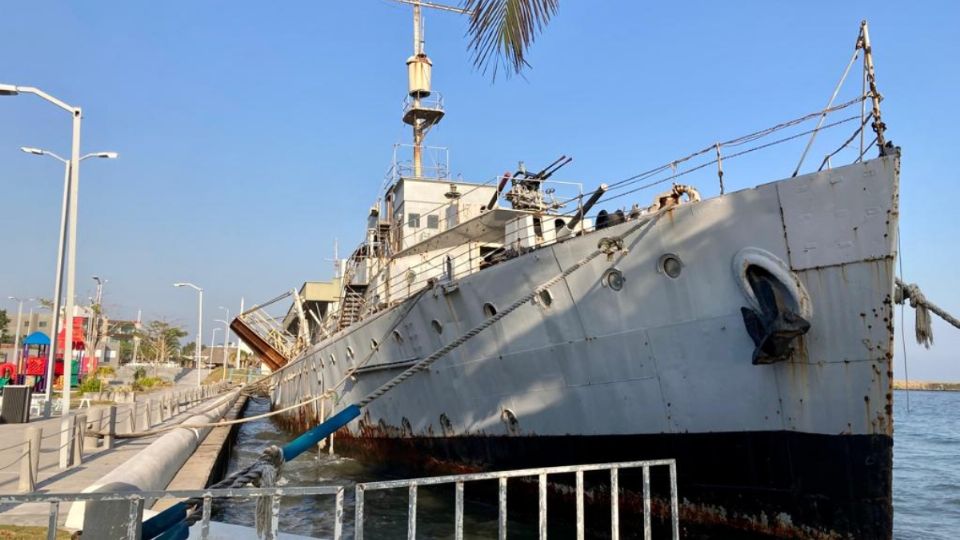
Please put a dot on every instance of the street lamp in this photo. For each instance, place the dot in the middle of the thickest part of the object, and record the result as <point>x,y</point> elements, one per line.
<point>16,341</point>
<point>76,114</point>
<point>199,322</point>
<point>225,326</point>
<point>226,337</point>
<point>68,343</point>
<point>213,340</point>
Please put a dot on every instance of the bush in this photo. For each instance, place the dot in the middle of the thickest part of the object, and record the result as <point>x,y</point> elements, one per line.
<point>139,373</point>
<point>146,383</point>
<point>105,371</point>
<point>91,384</point>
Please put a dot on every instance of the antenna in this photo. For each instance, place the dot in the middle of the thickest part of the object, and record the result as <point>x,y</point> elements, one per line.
<point>422,116</point>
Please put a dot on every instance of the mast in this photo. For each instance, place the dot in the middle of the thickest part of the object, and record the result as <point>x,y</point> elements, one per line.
<point>419,113</point>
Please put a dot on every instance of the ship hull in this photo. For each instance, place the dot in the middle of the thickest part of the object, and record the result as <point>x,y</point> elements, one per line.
<point>655,365</point>
<point>763,484</point>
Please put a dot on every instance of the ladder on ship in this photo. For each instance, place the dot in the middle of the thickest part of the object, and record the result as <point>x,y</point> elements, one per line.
<point>352,305</point>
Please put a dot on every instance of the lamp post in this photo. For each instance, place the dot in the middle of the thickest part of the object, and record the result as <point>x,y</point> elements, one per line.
<point>77,114</point>
<point>224,348</point>
<point>213,341</point>
<point>67,207</point>
<point>238,337</point>
<point>199,323</point>
<point>16,340</point>
<point>226,337</point>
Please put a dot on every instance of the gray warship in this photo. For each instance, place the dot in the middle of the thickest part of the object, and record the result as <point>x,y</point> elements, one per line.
<point>748,335</point>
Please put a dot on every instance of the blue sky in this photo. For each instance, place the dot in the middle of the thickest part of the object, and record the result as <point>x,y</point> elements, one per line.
<point>252,134</point>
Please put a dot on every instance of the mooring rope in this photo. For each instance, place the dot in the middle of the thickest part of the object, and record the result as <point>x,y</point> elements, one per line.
<point>923,307</point>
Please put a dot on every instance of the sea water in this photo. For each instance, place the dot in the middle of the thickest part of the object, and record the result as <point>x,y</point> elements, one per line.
<point>926,482</point>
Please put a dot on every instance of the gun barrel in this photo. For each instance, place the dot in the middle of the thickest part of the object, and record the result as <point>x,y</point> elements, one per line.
<point>587,206</point>
<point>496,194</point>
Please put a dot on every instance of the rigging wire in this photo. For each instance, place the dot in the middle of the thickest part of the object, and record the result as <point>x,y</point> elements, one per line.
<point>903,322</point>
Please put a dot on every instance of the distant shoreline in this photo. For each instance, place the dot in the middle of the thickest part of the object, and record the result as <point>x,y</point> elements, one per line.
<point>927,385</point>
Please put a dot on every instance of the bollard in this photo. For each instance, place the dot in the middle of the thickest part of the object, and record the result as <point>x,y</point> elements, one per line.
<point>146,417</point>
<point>101,426</point>
<point>111,427</point>
<point>92,440</point>
<point>150,416</point>
<point>66,441</point>
<point>80,425</point>
<point>30,460</point>
<point>133,417</point>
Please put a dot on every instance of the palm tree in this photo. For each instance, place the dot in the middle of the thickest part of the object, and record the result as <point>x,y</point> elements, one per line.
<point>501,31</point>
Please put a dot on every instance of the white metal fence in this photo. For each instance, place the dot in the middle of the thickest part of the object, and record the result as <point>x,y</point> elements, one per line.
<point>542,475</point>
<point>137,500</point>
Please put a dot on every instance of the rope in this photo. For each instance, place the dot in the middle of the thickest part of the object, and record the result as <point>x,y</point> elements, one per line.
<point>923,307</point>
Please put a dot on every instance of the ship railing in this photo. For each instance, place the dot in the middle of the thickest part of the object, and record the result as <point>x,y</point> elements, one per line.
<point>432,102</point>
<point>542,476</point>
<point>436,162</point>
<point>136,500</point>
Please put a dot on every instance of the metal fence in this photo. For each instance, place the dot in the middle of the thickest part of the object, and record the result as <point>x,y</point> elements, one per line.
<point>541,475</point>
<point>138,499</point>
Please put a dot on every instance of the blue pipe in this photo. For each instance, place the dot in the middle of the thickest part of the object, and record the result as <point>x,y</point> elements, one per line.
<point>311,437</point>
<point>171,517</point>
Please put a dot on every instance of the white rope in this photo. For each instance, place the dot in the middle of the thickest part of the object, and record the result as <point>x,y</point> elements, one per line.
<point>923,307</point>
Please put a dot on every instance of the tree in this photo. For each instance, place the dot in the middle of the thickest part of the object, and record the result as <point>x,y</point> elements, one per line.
<point>501,31</point>
<point>4,321</point>
<point>125,352</point>
<point>159,340</point>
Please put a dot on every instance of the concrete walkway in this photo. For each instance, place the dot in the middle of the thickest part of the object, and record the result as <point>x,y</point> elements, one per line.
<point>97,461</point>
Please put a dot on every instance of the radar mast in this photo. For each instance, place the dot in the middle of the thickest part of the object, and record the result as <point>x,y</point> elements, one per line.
<point>420,111</point>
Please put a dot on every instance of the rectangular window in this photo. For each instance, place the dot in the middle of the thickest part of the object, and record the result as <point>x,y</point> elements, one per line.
<point>42,324</point>
<point>433,221</point>
<point>413,220</point>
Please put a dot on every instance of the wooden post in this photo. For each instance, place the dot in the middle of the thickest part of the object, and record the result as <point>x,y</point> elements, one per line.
<point>30,460</point>
<point>66,441</point>
<point>146,416</point>
<point>80,427</point>
<point>150,422</point>
<point>133,417</point>
<point>111,427</point>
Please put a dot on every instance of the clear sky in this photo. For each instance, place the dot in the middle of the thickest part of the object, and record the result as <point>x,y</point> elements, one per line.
<point>252,134</point>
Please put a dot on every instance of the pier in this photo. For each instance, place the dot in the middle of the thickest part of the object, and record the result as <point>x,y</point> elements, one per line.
<point>94,444</point>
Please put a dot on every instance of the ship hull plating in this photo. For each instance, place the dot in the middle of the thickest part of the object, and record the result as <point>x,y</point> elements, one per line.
<point>628,358</point>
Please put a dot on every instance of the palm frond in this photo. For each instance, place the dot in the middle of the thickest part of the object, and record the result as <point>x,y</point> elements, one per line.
<point>501,31</point>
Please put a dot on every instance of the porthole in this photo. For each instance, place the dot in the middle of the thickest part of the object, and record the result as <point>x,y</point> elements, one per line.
<point>489,309</point>
<point>373,344</point>
<point>397,336</point>
<point>350,353</point>
<point>437,327</point>
<point>671,265</point>
<point>546,297</point>
<point>613,278</point>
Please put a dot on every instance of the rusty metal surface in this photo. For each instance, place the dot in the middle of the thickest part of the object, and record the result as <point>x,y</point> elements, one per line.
<point>267,354</point>
<point>841,215</point>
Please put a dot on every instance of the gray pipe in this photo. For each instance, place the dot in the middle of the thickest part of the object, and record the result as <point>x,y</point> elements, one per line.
<point>151,469</point>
